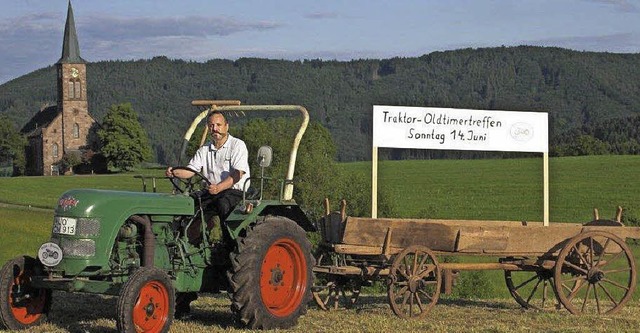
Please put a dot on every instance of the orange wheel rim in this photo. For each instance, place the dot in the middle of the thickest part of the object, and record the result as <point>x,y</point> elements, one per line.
<point>29,311</point>
<point>151,311</point>
<point>283,277</point>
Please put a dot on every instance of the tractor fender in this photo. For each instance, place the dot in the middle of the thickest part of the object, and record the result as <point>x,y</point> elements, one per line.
<point>239,220</point>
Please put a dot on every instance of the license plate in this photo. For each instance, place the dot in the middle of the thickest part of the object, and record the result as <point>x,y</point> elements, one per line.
<point>64,225</point>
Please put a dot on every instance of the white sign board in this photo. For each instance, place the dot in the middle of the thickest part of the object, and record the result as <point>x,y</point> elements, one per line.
<point>459,129</point>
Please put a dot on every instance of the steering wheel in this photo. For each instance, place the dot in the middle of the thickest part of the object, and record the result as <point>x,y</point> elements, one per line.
<point>186,185</point>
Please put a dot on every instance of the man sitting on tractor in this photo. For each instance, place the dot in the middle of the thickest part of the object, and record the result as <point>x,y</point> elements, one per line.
<point>225,163</point>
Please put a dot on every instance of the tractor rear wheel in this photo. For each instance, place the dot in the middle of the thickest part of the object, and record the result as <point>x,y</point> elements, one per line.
<point>271,274</point>
<point>21,305</point>
<point>146,302</point>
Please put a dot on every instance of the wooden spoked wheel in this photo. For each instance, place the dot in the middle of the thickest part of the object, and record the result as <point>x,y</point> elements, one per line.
<point>336,293</point>
<point>533,289</point>
<point>330,292</point>
<point>595,273</point>
<point>414,282</point>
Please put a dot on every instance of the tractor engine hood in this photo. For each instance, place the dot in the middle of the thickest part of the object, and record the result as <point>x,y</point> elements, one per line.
<point>102,203</point>
<point>87,222</point>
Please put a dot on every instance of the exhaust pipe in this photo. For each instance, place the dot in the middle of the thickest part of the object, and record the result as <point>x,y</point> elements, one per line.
<point>149,239</point>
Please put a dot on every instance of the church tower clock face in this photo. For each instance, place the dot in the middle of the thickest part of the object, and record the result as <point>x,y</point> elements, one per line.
<point>74,72</point>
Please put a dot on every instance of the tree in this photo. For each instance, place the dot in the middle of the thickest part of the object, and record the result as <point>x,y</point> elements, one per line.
<point>12,145</point>
<point>71,160</point>
<point>317,175</point>
<point>124,142</point>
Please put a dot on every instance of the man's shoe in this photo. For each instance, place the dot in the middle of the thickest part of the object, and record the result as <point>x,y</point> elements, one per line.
<point>183,312</point>
<point>183,301</point>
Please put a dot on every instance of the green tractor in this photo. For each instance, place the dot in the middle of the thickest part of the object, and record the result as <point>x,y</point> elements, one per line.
<point>134,245</point>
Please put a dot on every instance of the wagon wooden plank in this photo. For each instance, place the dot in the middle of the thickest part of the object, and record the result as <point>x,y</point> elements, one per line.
<point>365,250</point>
<point>405,232</point>
<point>369,236</point>
<point>517,238</point>
<point>622,232</point>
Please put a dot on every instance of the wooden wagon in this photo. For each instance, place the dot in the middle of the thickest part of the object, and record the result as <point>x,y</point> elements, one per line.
<point>587,268</point>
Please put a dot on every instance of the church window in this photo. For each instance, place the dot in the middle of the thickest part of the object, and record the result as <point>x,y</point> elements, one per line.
<point>77,94</point>
<point>71,90</point>
<point>76,130</point>
<point>54,150</point>
<point>75,89</point>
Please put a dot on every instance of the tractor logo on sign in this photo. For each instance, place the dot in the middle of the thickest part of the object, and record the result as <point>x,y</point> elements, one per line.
<point>521,132</point>
<point>67,202</point>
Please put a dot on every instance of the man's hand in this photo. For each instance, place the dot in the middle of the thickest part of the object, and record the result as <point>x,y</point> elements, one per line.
<point>215,189</point>
<point>179,172</point>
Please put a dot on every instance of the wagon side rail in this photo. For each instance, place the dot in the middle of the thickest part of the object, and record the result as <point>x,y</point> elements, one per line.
<point>387,236</point>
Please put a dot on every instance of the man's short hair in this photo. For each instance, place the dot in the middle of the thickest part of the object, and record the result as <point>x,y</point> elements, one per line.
<point>212,113</point>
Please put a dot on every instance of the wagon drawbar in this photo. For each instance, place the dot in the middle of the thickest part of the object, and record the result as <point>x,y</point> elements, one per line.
<point>586,268</point>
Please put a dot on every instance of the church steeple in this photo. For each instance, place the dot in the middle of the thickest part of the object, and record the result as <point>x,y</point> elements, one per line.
<point>69,127</point>
<point>70,46</point>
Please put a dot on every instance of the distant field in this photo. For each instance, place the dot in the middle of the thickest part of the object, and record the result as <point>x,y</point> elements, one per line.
<point>44,192</point>
<point>509,189</point>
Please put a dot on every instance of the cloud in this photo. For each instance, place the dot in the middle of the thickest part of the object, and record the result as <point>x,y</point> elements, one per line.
<point>40,34</point>
<point>340,55</point>
<point>28,27</point>
<point>188,37</point>
<point>322,15</point>
<point>618,43</point>
<point>34,41</point>
<point>114,28</point>
<point>621,5</point>
<point>29,42</point>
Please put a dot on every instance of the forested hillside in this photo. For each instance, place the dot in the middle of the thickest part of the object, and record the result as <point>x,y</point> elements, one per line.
<point>585,93</point>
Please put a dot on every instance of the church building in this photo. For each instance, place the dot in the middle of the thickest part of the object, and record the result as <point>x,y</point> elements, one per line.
<point>66,128</point>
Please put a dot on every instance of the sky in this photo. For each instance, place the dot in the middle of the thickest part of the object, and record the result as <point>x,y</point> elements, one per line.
<point>31,31</point>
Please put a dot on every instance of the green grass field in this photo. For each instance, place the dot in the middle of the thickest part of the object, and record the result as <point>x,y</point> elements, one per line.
<point>448,189</point>
<point>94,313</point>
<point>43,192</point>
<point>510,189</point>
<point>23,231</point>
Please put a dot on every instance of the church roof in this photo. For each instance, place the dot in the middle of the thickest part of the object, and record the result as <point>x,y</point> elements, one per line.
<point>40,120</point>
<point>70,46</point>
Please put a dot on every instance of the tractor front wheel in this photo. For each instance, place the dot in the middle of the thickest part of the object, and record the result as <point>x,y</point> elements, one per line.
<point>146,303</point>
<point>271,275</point>
<point>22,305</point>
